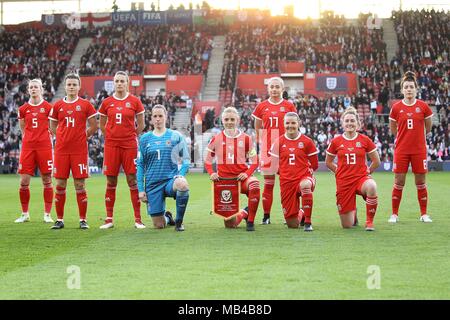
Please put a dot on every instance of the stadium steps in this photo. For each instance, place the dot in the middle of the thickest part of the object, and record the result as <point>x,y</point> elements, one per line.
<point>74,64</point>
<point>212,84</point>
<point>390,38</point>
<point>182,118</point>
<point>435,117</point>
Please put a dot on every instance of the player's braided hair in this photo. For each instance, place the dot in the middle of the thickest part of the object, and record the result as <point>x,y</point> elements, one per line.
<point>409,76</point>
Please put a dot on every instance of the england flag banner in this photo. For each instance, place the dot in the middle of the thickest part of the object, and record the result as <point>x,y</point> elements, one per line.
<point>226,198</point>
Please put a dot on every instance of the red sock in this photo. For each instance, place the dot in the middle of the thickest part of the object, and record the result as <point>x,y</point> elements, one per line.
<point>307,203</point>
<point>48,197</point>
<point>24,195</point>
<point>371,208</point>
<point>242,215</point>
<point>422,196</point>
<point>60,201</point>
<point>82,201</point>
<point>267,196</point>
<point>397,191</point>
<point>110,199</point>
<point>134,194</point>
<point>253,200</point>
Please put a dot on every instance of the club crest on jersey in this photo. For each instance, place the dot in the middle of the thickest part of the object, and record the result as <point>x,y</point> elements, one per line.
<point>300,145</point>
<point>168,143</point>
<point>78,108</point>
<point>358,144</point>
<point>128,105</point>
<point>42,110</point>
<point>226,197</point>
<point>282,109</point>
<point>331,83</point>
<point>417,110</point>
<point>241,144</point>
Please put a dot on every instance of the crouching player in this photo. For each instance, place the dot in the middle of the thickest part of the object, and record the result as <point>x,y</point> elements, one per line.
<point>232,150</point>
<point>297,160</point>
<point>158,175</point>
<point>352,173</point>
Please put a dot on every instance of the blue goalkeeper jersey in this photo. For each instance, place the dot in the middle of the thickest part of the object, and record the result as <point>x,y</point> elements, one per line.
<point>159,158</point>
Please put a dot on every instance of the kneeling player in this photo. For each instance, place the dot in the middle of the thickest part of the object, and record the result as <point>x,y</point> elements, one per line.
<point>232,150</point>
<point>297,159</point>
<point>158,175</point>
<point>352,173</point>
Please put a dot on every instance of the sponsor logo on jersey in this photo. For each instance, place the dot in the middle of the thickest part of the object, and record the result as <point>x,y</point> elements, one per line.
<point>409,114</point>
<point>119,108</point>
<point>283,146</point>
<point>28,111</point>
<point>267,109</point>
<point>401,111</point>
<point>225,196</point>
<point>111,105</point>
<point>34,114</point>
<point>291,149</point>
<point>69,111</point>
<point>42,110</point>
<point>60,110</point>
<point>300,145</point>
<point>358,144</point>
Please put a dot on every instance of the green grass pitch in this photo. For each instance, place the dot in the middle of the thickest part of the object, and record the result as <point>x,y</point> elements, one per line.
<point>411,259</point>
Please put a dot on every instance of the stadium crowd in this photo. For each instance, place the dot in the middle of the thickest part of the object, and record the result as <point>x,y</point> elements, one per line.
<point>129,48</point>
<point>331,45</point>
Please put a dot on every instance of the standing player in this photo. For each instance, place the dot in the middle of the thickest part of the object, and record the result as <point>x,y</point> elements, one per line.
<point>409,120</point>
<point>36,149</point>
<point>297,157</point>
<point>68,121</point>
<point>269,120</point>
<point>118,115</point>
<point>158,175</point>
<point>352,173</point>
<point>233,149</point>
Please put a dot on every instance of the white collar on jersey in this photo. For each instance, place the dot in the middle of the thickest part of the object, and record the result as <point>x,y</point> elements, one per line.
<point>239,133</point>
<point>409,105</point>
<point>114,96</point>
<point>270,101</point>
<point>159,135</point>
<point>350,139</point>
<point>299,135</point>
<point>35,105</point>
<point>65,100</point>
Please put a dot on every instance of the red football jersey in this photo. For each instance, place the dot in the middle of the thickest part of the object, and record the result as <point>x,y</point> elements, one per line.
<point>232,154</point>
<point>351,156</point>
<point>293,156</point>
<point>272,117</point>
<point>120,127</point>
<point>411,126</point>
<point>36,135</point>
<point>71,132</point>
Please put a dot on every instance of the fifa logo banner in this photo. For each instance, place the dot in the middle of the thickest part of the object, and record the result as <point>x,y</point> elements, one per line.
<point>225,198</point>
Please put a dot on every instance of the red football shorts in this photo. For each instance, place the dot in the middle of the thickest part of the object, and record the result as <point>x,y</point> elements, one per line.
<point>29,159</point>
<point>114,157</point>
<point>418,162</point>
<point>346,196</point>
<point>290,193</point>
<point>77,163</point>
